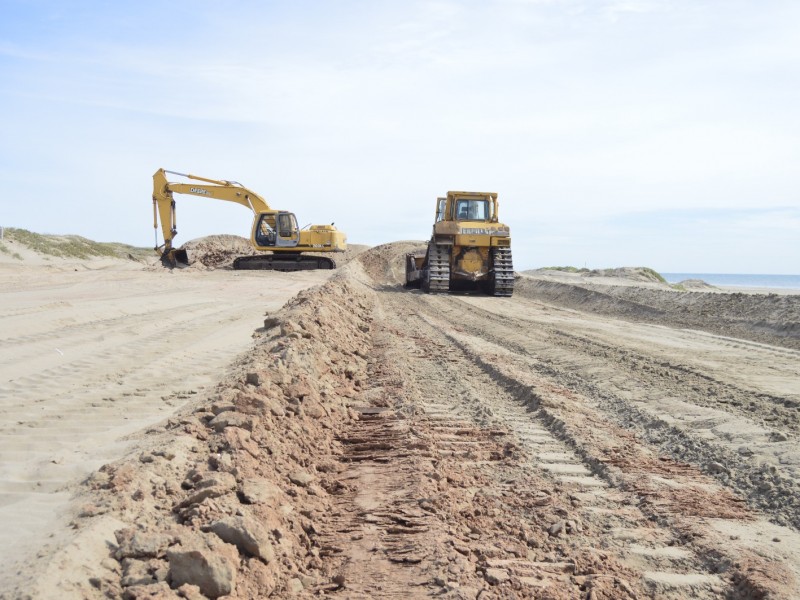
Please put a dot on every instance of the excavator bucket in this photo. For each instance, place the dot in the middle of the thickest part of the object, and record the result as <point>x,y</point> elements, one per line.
<point>181,257</point>
<point>173,258</point>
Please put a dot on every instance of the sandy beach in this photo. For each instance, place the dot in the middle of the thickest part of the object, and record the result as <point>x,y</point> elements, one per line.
<point>204,433</point>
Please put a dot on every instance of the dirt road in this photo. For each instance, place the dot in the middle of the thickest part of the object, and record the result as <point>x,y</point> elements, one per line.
<point>378,442</point>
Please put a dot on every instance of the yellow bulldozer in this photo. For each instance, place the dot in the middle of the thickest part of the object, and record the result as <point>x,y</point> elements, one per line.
<point>469,249</point>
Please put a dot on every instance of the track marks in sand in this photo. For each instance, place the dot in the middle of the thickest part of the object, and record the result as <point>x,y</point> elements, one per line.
<point>601,515</point>
<point>678,409</point>
<point>501,496</point>
<point>645,512</point>
<point>377,532</point>
<point>79,375</point>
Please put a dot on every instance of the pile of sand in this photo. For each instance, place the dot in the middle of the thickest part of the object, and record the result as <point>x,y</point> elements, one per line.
<point>769,318</point>
<point>695,285</point>
<point>634,276</point>
<point>638,274</point>
<point>386,263</point>
<point>16,255</point>
<point>216,251</point>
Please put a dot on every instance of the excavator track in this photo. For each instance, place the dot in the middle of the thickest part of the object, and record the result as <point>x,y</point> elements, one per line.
<point>282,262</point>
<point>503,280</point>
<point>437,278</point>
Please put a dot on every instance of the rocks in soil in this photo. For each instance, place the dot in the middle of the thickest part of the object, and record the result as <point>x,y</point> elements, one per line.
<point>212,485</point>
<point>134,543</point>
<point>496,576</point>
<point>231,419</point>
<point>259,491</point>
<point>301,478</point>
<point>199,560</point>
<point>247,534</point>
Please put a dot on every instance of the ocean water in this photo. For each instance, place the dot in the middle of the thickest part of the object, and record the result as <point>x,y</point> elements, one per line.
<point>791,282</point>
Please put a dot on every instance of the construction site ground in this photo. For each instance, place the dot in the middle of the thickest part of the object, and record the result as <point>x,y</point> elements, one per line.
<point>186,434</point>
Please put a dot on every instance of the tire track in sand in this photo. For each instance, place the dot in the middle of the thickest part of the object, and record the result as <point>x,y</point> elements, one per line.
<point>604,515</point>
<point>672,408</point>
<point>128,354</point>
<point>674,495</point>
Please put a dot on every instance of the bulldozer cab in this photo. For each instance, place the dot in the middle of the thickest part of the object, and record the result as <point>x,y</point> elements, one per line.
<point>473,209</point>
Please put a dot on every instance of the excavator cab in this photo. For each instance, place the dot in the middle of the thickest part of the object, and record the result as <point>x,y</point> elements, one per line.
<point>288,231</point>
<point>265,233</point>
<point>276,229</point>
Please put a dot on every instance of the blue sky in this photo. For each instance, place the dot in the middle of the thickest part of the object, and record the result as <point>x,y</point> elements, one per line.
<point>616,132</point>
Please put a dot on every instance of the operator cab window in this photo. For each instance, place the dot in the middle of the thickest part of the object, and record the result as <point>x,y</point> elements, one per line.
<point>442,202</point>
<point>265,232</point>
<point>286,225</point>
<point>472,210</point>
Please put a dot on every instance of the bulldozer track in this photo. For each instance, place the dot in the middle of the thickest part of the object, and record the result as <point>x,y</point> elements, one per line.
<point>438,273</point>
<point>503,276</point>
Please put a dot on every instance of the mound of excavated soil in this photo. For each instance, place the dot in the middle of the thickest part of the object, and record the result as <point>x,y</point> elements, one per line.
<point>696,285</point>
<point>765,318</point>
<point>216,251</point>
<point>386,264</point>
<point>620,275</point>
<point>219,251</point>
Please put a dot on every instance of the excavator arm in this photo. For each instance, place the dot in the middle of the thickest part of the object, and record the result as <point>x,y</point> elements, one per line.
<point>164,202</point>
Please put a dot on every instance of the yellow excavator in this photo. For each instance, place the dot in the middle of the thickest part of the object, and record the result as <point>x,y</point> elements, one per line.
<point>470,249</point>
<point>275,232</point>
